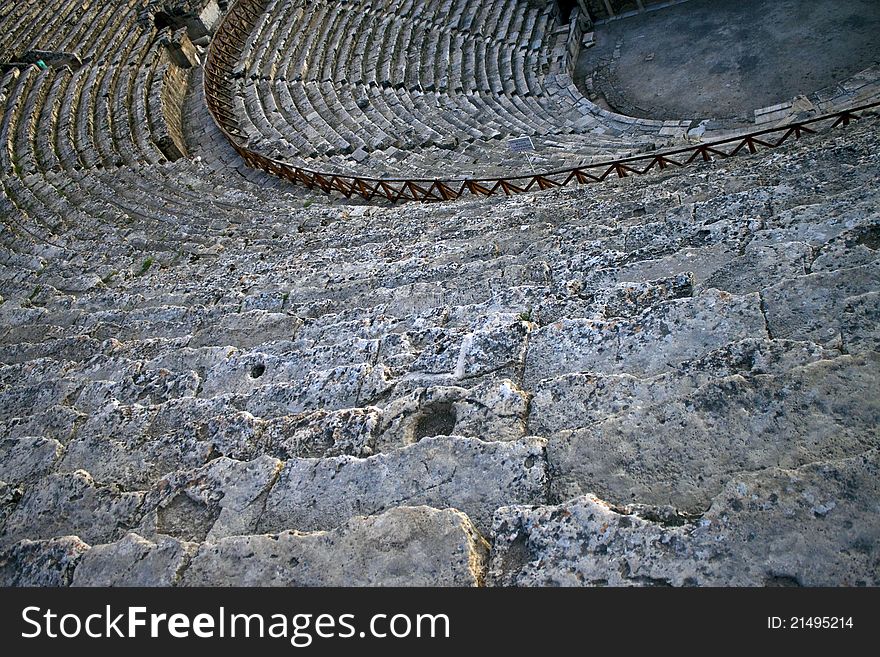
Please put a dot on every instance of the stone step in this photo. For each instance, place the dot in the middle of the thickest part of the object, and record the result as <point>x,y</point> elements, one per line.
<point>465,473</point>
<point>650,343</point>
<point>815,525</point>
<point>682,451</point>
<point>584,399</point>
<point>226,497</point>
<point>430,548</point>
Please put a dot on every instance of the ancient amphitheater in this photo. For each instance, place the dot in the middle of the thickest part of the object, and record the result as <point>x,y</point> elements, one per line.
<point>239,349</point>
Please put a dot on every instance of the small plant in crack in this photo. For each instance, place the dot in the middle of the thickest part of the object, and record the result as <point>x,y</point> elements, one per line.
<point>145,266</point>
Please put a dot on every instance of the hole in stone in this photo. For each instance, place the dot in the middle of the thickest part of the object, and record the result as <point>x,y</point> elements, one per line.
<point>185,518</point>
<point>781,580</point>
<point>435,420</point>
<point>257,370</point>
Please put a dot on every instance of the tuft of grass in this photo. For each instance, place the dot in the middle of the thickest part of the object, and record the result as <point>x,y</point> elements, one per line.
<point>307,203</point>
<point>145,267</point>
<point>525,316</point>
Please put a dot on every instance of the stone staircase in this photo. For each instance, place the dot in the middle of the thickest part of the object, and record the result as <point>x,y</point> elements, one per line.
<point>633,355</point>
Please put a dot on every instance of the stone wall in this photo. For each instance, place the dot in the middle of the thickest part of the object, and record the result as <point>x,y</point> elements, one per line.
<point>573,44</point>
<point>167,92</point>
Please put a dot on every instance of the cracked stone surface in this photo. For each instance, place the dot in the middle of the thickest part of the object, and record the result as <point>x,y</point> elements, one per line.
<point>647,344</point>
<point>680,451</point>
<point>463,473</point>
<point>48,562</point>
<point>405,546</point>
<point>27,459</point>
<point>134,561</point>
<point>816,525</point>
<point>811,307</point>
<point>583,399</point>
<point>72,504</point>
<point>224,498</point>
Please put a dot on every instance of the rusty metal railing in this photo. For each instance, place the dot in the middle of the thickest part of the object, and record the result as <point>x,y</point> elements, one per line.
<point>228,44</point>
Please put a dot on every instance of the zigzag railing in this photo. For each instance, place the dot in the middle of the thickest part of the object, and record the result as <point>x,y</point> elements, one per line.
<point>228,44</point>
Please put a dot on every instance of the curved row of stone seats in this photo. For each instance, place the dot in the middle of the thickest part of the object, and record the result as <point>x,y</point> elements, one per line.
<point>339,373</point>
<point>327,124</point>
<point>127,50</point>
<point>304,61</point>
<point>61,26</point>
<point>80,160</point>
<point>338,86</point>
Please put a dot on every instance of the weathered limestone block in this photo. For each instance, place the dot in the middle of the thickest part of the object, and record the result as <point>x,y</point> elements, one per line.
<point>761,263</point>
<point>582,399</point>
<point>132,445</point>
<point>493,410</point>
<point>187,414</point>
<point>497,344</point>
<point>811,307</point>
<point>75,347</point>
<point>247,330</point>
<point>10,496</point>
<point>41,563</point>
<point>752,204</point>
<point>702,262</point>
<point>667,232</point>
<point>324,433</point>
<point>860,323</point>
<point>463,473</point>
<point>819,223</point>
<point>73,504</point>
<point>134,561</point>
<point>23,460</point>
<point>146,386</point>
<point>681,452</point>
<point>405,546</point>
<point>342,387</point>
<point>648,344</point>
<point>631,299</point>
<point>813,526</point>
<point>56,422</point>
<point>317,434</point>
<point>852,248</point>
<point>136,462</point>
<point>222,498</point>
<point>240,372</point>
<point>437,350</point>
<point>19,401</point>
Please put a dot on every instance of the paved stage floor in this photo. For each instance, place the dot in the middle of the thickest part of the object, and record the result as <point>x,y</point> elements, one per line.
<point>723,59</point>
